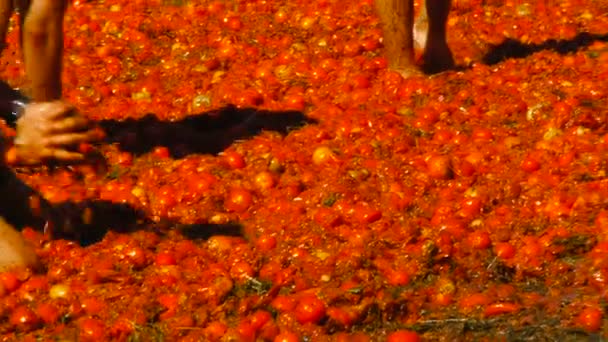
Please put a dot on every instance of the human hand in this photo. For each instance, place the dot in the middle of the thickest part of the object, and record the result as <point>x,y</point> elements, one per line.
<point>51,131</point>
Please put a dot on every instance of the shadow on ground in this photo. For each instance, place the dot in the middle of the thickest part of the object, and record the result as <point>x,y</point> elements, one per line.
<point>209,132</point>
<point>87,222</point>
<point>512,48</point>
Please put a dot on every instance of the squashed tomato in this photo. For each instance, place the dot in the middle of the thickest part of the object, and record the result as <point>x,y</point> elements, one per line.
<point>268,178</point>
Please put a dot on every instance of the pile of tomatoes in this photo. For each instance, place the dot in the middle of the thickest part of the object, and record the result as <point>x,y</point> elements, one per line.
<point>470,204</point>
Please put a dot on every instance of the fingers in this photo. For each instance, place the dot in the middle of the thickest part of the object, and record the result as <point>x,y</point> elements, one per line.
<point>63,155</point>
<point>69,139</point>
<point>74,123</point>
<point>49,110</point>
<point>53,117</point>
<point>55,110</point>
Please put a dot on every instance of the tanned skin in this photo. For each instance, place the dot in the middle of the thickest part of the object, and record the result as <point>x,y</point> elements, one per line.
<point>401,35</point>
<point>50,129</point>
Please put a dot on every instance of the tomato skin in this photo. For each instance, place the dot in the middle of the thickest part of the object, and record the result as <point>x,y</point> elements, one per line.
<point>215,330</point>
<point>24,319</point>
<point>169,301</point>
<point>287,337</point>
<point>265,180</point>
<point>165,259</point>
<point>439,167</point>
<point>590,319</point>
<point>260,318</point>
<point>91,329</point>
<point>344,316</point>
<point>487,179</point>
<point>364,213</point>
<point>310,309</point>
<point>397,277</point>
<point>246,331</point>
<point>136,256</point>
<point>48,312</point>
<point>238,200</point>
<point>530,164</point>
<point>403,336</point>
<point>500,308</point>
<point>93,306</point>
<point>241,271</point>
<point>323,155</point>
<point>479,239</point>
<point>9,281</point>
<point>353,337</point>
<point>233,159</point>
<point>266,243</point>
<point>504,250</point>
<point>283,303</point>
<point>161,152</point>
<point>474,300</point>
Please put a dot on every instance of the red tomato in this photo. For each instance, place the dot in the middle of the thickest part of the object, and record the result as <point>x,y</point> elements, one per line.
<point>403,336</point>
<point>215,330</point>
<point>283,303</point>
<point>479,239</point>
<point>474,300</point>
<point>136,256</point>
<point>165,259</point>
<point>241,271</point>
<point>500,308</point>
<point>266,243</point>
<point>9,281</point>
<point>93,306</point>
<point>246,331</point>
<point>169,301</point>
<point>264,180</point>
<point>238,200</point>
<point>161,152</point>
<point>49,313</point>
<point>287,337</point>
<point>439,167</point>
<point>233,159</point>
<point>310,309</point>
<point>504,250</point>
<point>590,319</point>
<point>24,319</point>
<point>366,214</point>
<point>530,164</point>
<point>92,329</point>
<point>344,316</point>
<point>260,318</point>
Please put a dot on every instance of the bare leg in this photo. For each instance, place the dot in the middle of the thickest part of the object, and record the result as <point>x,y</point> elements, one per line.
<point>437,55</point>
<point>421,27</point>
<point>397,17</point>
<point>6,10</point>
<point>14,250</point>
<point>16,208</point>
<point>43,46</point>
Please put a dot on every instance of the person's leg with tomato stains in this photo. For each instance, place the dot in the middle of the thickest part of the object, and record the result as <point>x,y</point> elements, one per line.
<point>49,129</point>
<point>15,251</point>
<point>400,36</point>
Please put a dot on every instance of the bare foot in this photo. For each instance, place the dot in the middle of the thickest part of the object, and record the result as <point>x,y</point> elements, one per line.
<point>15,251</point>
<point>409,72</point>
<point>437,57</point>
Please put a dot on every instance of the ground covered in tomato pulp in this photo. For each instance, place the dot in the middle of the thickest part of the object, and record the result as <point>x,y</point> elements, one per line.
<point>467,205</point>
